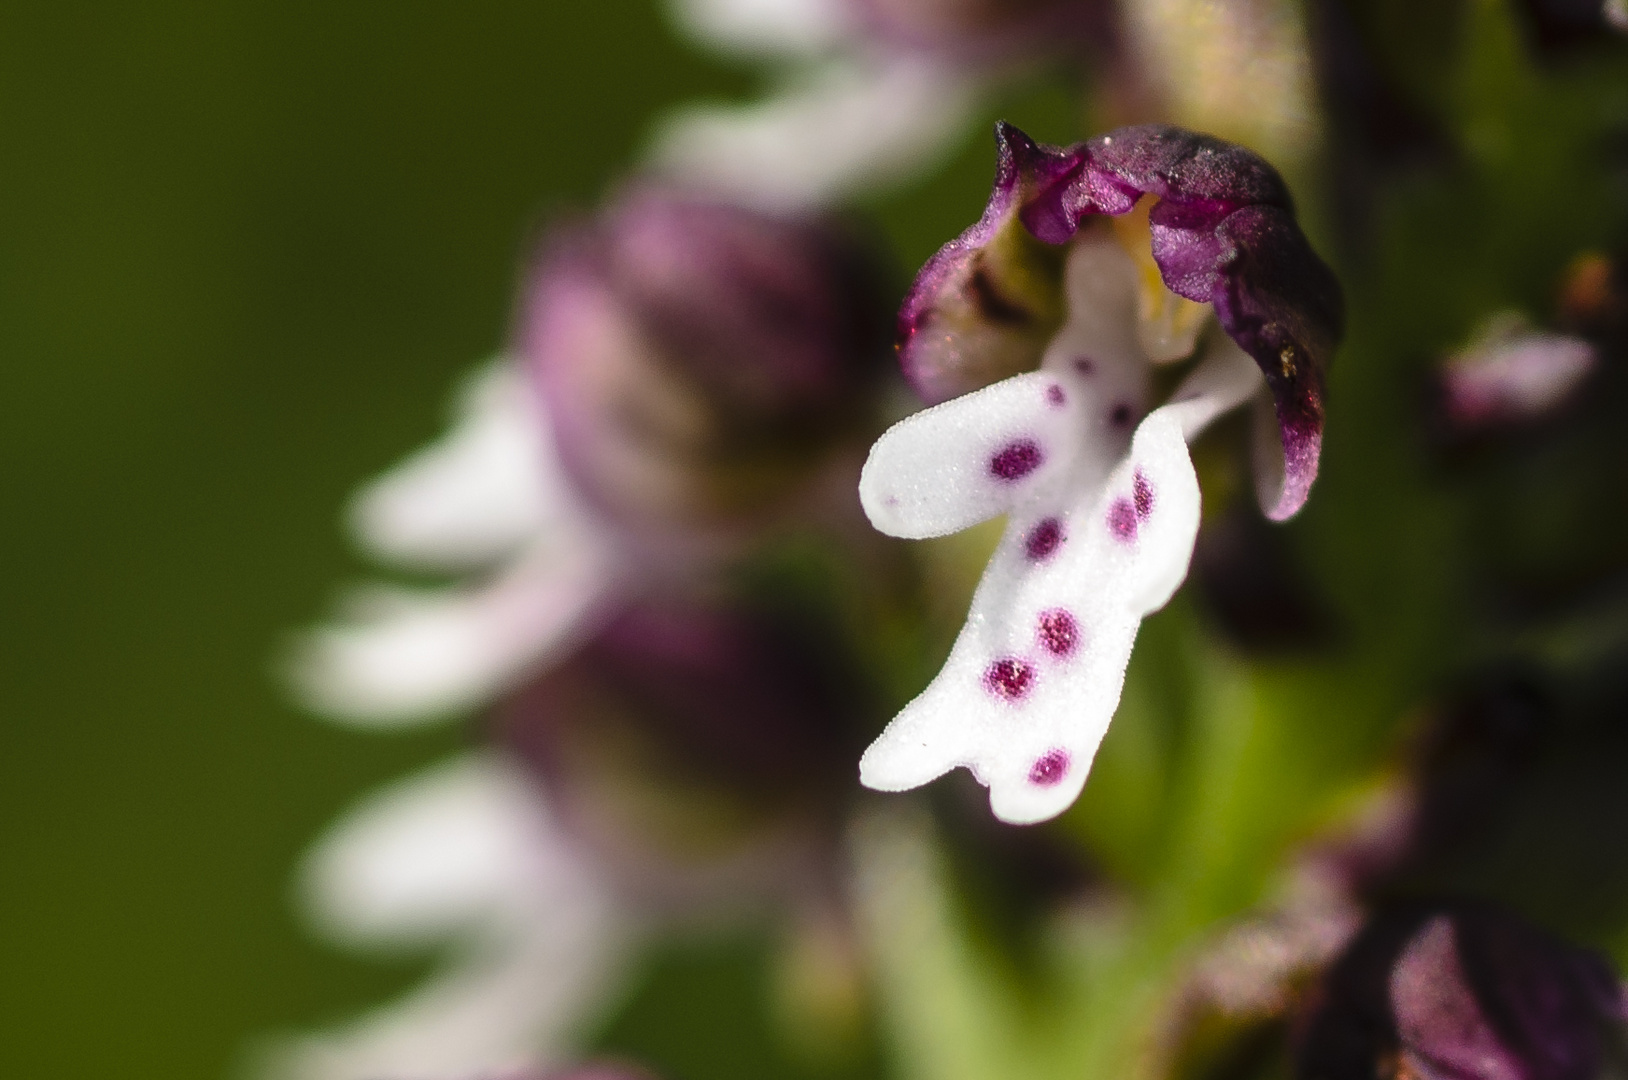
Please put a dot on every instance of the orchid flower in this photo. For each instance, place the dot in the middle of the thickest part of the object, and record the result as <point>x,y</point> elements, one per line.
<point>684,375</point>
<point>870,92</point>
<point>1093,475</point>
<point>464,851</point>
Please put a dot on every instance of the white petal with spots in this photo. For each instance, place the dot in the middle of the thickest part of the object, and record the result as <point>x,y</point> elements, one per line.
<point>949,467</point>
<point>1036,674</point>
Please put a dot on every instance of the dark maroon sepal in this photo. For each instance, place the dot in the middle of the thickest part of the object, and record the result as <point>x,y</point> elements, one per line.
<point>1224,233</point>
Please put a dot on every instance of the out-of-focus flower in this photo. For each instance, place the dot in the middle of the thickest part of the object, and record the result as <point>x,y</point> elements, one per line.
<point>689,762</point>
<point>466,853</point>
<point>1101,496</point>
<point>688,380</point>
<point>1511,374</point>
<point>702,753</point>
<point>873,90</point>
<point>687,376</point>
<point>1460,993</point>
<point>1240,70</point>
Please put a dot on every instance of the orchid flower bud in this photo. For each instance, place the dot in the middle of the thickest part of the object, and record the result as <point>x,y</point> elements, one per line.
<point>689,743</point>
<point>697,359</point>
<point>1092,473</point>
<point>686,375</point>
<point>1460,993</point>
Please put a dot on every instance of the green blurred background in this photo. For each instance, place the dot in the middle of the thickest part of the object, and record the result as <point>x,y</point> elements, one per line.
<point>246,251</point>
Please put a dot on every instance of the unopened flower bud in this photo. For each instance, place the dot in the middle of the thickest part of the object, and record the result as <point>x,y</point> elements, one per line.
<point>685,737</point>
<point>697,358</point>
<point>1460,993</point>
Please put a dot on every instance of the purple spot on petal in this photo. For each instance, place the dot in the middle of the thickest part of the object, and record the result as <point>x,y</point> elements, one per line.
<point>1122,520</point>
<point>1009,678</point>
<point>1051,768</point>
<point>1016,460</point>
<point>1120,416</point>
<point>1043,539</point>
<point>1142,493</point>
<point>1084,365</point>
<point>1055,395</point>
<point>1059,633</point>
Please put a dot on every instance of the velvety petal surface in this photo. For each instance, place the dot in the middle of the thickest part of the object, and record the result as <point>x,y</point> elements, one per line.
<point>1035,676</point>
<point>965,461</point>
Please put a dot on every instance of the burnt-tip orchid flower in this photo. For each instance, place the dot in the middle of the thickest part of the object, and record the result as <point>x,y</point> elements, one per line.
<point>1037,332</point>
<point>687,379</point>
<point>686,375</point>
<point>869,91</point>
<point>691,759</point>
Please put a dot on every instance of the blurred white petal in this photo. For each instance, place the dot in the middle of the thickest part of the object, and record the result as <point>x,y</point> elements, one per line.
<point>839,129</point>
<point>436,852</point>
<point>1511,374</point>
<point>404,656</point>
<point>466,849</point>
<point>489,485</point>
<point>766,27</point>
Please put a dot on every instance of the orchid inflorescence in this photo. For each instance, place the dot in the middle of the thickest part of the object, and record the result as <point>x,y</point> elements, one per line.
<point>695,397</point>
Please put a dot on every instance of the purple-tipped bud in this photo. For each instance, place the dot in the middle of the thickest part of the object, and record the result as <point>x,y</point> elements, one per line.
<point>1224,233</point>
<point>1460,993</point>
<point>682,734</point>
<point>693,355</point>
